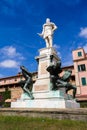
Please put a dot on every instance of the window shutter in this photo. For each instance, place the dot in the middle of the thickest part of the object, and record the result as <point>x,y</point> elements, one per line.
<point>79,53</point>
<point>83,81</point>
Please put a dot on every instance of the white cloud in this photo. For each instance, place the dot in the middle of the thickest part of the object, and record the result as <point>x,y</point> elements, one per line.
<point>59,54</point>
<point>83,32</point>
<point>85,47</point>
<point>10,58</point>
<point>11,52</point>
<point>56,46</point>
<point>9,64</point>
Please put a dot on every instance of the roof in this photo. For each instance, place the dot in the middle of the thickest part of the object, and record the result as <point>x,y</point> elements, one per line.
<point>14,76</point>
<point>78,49</point>
<point>20,74</point>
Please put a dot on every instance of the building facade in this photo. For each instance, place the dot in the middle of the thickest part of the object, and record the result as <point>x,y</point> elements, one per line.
<point>12,84</point>
<point>80,72</point>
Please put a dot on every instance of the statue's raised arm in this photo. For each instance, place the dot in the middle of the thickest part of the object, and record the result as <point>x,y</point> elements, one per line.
<point>47,32</point>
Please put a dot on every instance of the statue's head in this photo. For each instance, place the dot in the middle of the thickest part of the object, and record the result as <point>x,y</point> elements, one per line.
<point>47,20</point>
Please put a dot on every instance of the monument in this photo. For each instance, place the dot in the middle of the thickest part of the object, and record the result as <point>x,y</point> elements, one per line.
<point>49,90</point>
<point>47,32</point>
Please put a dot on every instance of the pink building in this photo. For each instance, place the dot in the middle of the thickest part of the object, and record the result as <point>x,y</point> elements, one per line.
<point>80,71</point>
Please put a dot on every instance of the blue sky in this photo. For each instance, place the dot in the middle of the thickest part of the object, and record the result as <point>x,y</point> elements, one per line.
<point>21,20</point>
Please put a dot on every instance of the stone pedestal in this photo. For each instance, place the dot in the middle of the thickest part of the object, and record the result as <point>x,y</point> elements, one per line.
<point>45,103</point>
<point>42,86</point>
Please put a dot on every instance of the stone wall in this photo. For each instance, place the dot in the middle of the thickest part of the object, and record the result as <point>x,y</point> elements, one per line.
<point>71,114</point>
<point>16,93</point>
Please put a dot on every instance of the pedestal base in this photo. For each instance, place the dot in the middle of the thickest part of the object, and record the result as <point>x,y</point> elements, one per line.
<point>51,99</point>
<point>45,103</point>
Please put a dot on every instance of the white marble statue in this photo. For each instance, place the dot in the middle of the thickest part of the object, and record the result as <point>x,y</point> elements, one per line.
<point>47,32</point>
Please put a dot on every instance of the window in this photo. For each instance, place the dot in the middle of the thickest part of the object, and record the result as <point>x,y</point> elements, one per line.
<point>81,67</point>
<point>79,53</point>
<point>15,79</point>
<point>4,81</point>
<point>73,78</point>
<point>83,81</point>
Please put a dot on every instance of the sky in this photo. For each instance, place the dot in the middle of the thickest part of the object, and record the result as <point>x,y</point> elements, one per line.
<point>21,20</point>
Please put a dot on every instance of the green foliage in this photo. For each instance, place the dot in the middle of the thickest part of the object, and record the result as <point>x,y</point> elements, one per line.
<point>83,104</point>
<point>3,96</point>
<point>27,123</point>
